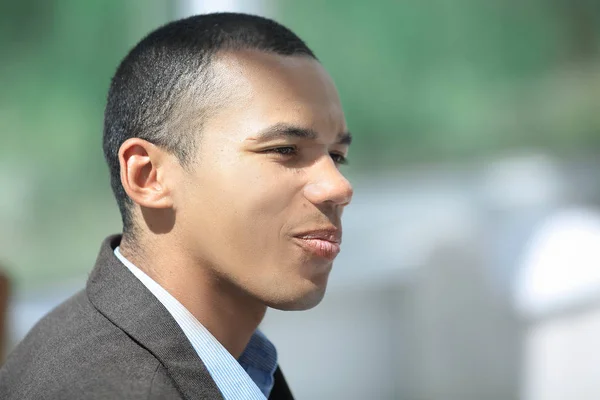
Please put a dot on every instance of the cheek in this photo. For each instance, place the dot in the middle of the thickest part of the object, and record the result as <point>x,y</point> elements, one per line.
<point>261,189</point>
<point>248,214</point>
<point>245,196</point>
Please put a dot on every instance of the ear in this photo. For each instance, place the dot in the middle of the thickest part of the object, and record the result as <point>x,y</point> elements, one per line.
<point>143,173</point>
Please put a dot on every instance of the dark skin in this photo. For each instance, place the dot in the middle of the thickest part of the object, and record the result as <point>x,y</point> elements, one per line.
<point>226,237</point>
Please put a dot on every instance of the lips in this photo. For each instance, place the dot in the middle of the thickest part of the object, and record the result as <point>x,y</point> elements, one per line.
<point>323,243</point>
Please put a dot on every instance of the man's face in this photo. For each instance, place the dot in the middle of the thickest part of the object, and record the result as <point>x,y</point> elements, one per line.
<point>262,207</point>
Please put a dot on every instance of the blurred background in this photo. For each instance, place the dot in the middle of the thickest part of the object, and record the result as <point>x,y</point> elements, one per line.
<point>471,260</point>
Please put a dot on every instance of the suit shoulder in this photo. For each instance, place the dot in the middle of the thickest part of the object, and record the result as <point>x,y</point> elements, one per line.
<point>76,352</point>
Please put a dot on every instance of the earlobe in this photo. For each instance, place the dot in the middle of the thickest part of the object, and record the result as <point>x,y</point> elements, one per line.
<point>141,174</point>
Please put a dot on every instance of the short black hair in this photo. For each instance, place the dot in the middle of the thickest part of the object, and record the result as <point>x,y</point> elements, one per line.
<point>168,64</point>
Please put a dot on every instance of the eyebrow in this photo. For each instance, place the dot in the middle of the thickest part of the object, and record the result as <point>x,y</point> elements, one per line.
<point>282,130</point>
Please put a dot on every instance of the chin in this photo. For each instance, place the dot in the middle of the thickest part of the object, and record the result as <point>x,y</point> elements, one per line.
<point>299,301</point>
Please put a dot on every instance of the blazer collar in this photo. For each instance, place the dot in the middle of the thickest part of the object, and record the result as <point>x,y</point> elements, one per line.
<point>125,301</point>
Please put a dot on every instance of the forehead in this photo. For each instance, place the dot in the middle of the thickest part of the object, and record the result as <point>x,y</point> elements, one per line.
<point>264,89</point>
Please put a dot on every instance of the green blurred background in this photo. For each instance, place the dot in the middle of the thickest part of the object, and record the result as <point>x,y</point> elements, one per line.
<point>421,82</point>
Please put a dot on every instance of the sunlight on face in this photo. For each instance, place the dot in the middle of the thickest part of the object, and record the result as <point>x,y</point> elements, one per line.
<point>263,206</point>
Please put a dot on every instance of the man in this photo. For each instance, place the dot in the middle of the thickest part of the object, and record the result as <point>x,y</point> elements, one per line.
<point>224,136</point>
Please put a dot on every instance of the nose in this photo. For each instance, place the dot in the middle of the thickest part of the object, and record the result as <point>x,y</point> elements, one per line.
<point>328,185</point>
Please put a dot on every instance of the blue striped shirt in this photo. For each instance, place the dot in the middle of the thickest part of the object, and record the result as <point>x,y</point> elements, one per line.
<point>249,378</point>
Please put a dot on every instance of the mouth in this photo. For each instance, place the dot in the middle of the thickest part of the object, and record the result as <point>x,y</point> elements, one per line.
<point>324,243</point>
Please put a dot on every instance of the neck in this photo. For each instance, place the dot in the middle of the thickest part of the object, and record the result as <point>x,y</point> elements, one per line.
<point>229,314</point>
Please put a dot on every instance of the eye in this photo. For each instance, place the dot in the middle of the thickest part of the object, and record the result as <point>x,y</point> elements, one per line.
<point>339,159</point>
<point>283,150</point>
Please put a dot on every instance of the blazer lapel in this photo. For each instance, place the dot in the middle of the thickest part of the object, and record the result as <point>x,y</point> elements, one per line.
<point>125,301</point>
<point>280,391</point>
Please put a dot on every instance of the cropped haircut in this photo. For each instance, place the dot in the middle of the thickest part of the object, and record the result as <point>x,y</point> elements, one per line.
<point>172,66</point>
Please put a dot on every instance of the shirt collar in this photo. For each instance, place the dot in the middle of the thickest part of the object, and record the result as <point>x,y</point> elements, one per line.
<point>249,377</point>
<point>259,359</point>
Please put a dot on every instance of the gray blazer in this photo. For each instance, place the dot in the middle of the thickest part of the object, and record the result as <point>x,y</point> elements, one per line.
<point>113,340</point>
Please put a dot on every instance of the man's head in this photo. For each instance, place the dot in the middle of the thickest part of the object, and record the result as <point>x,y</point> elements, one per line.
<point>224,134</point>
